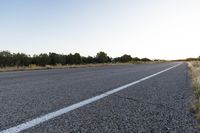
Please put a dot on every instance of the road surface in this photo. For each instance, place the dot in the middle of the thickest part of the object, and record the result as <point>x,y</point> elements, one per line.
<point>129,98</point>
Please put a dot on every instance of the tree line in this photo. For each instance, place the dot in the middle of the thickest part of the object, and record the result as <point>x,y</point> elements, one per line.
<point>8,59</point>
<point>193,59</point>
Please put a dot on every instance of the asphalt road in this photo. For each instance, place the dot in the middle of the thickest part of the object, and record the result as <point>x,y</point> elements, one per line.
<point>158,104</point>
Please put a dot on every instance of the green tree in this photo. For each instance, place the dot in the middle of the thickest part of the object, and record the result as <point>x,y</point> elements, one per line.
<point>77,58</point>
<point>69,59</point>
<point>145,59</point>
<point>41,60</point>
<point>126,58</point>
<point>21,59</point>
<point>6,59</point>
<point>136,59</point>
<point>117,59</point>
<point>53,58</point>
<point>88,59</point>
<point>102,57</point>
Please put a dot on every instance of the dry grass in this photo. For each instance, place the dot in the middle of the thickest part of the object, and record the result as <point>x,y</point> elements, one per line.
<point>59,66</point>
<point>195,72</point>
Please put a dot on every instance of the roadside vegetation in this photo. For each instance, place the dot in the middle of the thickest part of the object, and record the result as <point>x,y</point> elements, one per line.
<point>20,61</point>
<point>195,73</point>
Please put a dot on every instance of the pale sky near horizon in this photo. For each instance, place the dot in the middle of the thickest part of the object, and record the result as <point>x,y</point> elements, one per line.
<point>165,29</point>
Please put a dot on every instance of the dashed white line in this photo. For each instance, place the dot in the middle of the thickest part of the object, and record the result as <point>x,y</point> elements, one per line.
<point>62,111</point>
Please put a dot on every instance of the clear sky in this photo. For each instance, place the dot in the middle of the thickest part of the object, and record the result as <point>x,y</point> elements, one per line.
<point>167,29</point>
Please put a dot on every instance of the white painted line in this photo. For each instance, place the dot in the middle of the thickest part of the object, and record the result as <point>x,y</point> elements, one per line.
<point>52,115</point>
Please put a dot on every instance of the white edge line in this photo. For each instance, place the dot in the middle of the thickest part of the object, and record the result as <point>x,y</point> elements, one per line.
<point>62,111</point>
